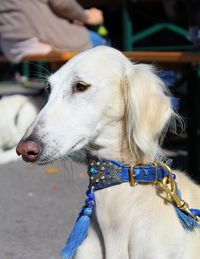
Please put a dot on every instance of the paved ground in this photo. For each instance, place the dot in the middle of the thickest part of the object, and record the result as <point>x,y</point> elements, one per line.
<point>38,206</point>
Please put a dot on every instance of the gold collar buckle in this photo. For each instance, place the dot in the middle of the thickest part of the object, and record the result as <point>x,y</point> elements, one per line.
<point>132,175</point>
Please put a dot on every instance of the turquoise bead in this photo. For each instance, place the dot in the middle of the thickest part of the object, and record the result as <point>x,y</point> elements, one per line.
<point>87,211</point>
<point>93,170</point>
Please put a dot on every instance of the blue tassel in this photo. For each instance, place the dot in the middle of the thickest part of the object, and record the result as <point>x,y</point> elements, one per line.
<point>77,236</point>
<point>186,220</point>
<point>80,230</point>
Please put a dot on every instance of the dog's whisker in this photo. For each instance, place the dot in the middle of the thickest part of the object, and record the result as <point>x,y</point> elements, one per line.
<point>68,167</point>
<point>41,67</point>
<point>89,148</point>
<point>39,77</point>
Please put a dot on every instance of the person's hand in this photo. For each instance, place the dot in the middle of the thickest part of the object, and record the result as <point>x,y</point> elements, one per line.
<point>94,16</point>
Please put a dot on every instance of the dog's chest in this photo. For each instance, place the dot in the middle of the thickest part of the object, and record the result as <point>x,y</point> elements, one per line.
<point>121,207</point>
<point>136,218</point>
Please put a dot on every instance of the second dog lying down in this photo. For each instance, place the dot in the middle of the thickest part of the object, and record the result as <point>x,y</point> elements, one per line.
<point>118,109</point>
<point>16,114</point>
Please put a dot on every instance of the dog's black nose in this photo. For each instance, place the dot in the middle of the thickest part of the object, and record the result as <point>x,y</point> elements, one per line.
<point>29,150</point>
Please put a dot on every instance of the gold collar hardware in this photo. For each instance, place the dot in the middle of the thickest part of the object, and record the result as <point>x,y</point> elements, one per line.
<point>169,185</point>
<point>132,175</point>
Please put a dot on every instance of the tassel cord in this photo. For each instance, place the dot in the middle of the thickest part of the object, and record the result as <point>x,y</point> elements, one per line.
<point>81,227</point>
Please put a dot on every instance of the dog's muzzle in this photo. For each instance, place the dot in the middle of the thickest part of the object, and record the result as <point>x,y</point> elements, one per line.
<point>30,150</point>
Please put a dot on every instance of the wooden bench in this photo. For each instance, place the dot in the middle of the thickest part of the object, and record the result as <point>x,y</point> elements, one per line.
<point>161,56</point>
<point>57,58</point>
<point>150,56</point>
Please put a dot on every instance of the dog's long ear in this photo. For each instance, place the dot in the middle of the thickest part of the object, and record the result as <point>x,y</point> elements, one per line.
<point>148,110</point>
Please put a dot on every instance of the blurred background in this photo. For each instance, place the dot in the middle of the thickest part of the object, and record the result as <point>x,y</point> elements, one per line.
<point>39,204</point>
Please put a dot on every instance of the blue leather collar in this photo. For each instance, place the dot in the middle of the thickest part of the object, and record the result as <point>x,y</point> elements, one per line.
<point>106,173</point>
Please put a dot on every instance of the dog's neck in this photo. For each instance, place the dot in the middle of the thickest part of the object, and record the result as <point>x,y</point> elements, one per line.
<point>112,144</point>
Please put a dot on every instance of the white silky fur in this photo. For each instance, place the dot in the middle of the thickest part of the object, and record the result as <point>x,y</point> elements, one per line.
<point>120,116</point>
<point>16,114</point>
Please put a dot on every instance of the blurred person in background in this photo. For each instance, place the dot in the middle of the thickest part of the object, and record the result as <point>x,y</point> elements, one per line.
<point>192,10</point>
<point>41,26</point>
<point>193,15</point>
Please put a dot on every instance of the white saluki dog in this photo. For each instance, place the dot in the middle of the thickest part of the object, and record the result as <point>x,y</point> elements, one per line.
<point>16,114</point>
<point>119,110</point>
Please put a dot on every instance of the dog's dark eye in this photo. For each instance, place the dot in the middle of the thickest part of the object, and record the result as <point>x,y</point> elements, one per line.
<point>48,88</point>
<point>80,87</point>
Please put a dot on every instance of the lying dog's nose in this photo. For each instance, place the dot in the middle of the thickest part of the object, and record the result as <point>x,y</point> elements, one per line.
<point>29,150</point>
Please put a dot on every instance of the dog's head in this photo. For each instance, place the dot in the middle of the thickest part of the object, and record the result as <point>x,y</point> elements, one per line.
<point>92,95</point>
